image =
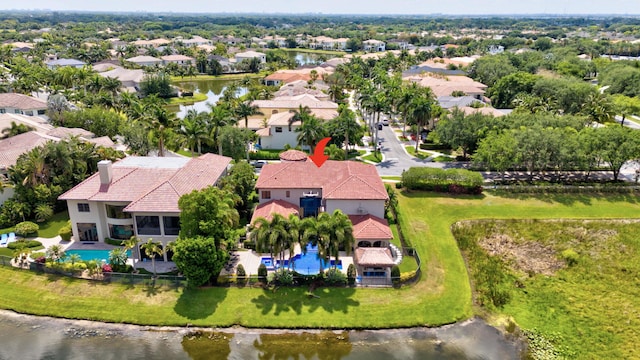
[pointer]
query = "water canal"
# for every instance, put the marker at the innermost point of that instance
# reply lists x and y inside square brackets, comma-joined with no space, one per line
[29,337]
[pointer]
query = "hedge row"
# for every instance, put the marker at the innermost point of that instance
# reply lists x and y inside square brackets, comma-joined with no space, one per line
[455,181]
[264,155]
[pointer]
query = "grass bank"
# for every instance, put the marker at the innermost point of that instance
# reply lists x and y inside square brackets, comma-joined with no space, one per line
[572,282]
[187,100]
[442,296]
[178,79]
[315,51]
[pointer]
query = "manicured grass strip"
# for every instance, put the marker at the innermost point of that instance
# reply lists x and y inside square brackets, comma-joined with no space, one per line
[177,79]
[420,155]
[51,228]
[373,158]
[187,100]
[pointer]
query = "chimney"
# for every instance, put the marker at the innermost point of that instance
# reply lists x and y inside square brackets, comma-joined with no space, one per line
[105,171]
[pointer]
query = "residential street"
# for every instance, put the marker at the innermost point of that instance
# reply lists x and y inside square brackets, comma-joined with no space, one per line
[395,158]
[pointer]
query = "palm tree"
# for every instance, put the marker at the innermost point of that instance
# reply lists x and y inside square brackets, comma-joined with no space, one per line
[15,129]
[131,244]
[219,116]
[162,125]
[341,235]
[316,231]
[271,235]
[55,252]
[310,132]
[301,115]
[194,129]
[244,110]
[421,110]
[151,249]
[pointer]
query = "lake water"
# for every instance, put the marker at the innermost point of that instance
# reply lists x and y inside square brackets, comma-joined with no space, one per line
[212,88]
[28,337]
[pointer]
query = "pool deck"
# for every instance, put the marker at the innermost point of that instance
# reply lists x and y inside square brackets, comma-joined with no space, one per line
[248,258]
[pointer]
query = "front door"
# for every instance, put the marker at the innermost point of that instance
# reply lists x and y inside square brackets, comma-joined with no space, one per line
[310,206]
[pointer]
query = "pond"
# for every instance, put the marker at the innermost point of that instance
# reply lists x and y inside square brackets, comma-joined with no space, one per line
[304,58]
[30,337]
[212,88]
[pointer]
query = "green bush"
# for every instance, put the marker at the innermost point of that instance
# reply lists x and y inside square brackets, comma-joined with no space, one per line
[335,277]
[65,233]
[241,275]
[27,228]
[24,243]
[283,277]
[113,242]
[395,274]
[351,274]
[264,155]
[570,256]
[455,181]
[262,272]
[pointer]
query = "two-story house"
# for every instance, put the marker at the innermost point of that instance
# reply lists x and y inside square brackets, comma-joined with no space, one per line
[139,196]
[301,187]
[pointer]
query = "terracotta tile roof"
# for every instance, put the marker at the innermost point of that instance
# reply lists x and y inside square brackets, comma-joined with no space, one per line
[22,102]
[152,189]
[13,147]
[293,155]
[65,133]
[483,110]
[266,210]
[294,102]
[102,141]
[337,179]
[143,59]
[370,227]
[374,257]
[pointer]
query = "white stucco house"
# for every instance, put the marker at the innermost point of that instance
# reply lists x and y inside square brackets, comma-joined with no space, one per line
[373,45]
[248,55]
[13,103]
[139,196]
[144,60]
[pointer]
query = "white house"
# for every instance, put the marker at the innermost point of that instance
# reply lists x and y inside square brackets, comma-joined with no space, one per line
[180,60]
[248,55]
[52,64]
[138,196]
[12,103]
[144,60]
[373,45]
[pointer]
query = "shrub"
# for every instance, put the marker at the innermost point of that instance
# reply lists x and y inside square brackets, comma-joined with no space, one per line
[113,242]
[41,259]
[335,277]
[351,274]
[395,274]
[570,257]
[264,155]
[283,277]
[262,272]
[457,181]
[65,233]
[406,276]
[24,243]
[106,268]
[241,275]
[27,228]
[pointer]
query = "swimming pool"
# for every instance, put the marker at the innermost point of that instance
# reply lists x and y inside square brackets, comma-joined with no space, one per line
[305,264]
[86,254]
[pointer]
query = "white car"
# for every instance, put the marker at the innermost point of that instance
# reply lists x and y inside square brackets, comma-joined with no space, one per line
[385,122]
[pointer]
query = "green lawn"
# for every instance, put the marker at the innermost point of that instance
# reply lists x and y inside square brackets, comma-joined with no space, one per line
[420,155]
[187,100]
[442,296]
[50,228]
[177,79]
[373,158]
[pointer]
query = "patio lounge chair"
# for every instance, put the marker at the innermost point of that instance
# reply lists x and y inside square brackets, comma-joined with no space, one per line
[11,238]
[3,239]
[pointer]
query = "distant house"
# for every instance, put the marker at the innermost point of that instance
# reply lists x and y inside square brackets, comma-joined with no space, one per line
[248,55]
[373,45]
[327,43]
[280,132]
[496,49]
[130,79]
[196,41]
[223,61]
[180,60]
[11,148]
[145,60]
[302,188]
[286,103]
[447,85]
[12,103]
[139,196]
[155,43]
[65,62]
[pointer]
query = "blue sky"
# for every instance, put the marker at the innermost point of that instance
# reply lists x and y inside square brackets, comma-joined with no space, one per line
[455,7]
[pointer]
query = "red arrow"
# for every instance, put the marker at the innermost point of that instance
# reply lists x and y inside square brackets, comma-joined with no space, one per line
[318,156]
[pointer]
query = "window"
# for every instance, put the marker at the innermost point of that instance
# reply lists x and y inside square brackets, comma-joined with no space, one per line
[42,112]
[120,232]
[83,207]
[171,225]
[115,212]
[29,112]
[288,193]
[266,194]
[278,129]
[17,111]
[87,232]
[148,225]
[2,111]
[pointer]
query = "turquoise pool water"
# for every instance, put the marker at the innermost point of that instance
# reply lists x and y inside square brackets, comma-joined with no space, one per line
[305,264]
[87,255]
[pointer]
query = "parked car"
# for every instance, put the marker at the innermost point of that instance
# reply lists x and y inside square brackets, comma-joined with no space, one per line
[385,122]
[379,126]
[258,163]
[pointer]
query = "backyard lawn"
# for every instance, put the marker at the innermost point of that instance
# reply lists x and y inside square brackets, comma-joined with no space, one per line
[50,228]
[442,296]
